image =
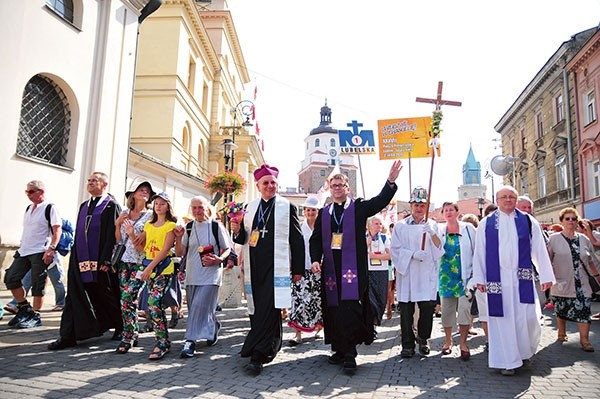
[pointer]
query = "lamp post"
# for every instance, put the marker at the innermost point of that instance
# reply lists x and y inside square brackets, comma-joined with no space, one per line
[480,204]
[489,175]
[228,146]
[244,109]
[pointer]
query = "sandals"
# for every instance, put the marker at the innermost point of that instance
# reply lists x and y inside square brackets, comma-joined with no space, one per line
[587,346]
[124,346]
[562,337]
[446,350]
[159,351]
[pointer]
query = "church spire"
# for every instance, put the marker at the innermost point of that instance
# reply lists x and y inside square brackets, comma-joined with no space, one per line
[471,169]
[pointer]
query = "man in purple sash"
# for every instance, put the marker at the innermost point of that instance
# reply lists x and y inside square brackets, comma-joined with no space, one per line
[93,296]
[507,245]
[338,250]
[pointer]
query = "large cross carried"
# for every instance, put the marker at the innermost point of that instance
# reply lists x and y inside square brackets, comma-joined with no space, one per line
[437,117]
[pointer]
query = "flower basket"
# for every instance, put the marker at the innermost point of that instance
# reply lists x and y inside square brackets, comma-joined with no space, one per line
[226,183]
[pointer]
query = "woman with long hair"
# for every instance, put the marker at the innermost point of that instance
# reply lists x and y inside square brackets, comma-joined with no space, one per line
[128,231]
[157,241]
[572,254]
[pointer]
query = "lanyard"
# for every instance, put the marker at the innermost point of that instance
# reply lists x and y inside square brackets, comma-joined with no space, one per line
[338,222]
[261,215]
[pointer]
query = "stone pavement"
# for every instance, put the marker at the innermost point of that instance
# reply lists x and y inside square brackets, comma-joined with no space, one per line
[93,370]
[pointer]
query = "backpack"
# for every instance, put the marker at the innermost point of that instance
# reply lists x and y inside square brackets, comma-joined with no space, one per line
[215,230]
[67,237]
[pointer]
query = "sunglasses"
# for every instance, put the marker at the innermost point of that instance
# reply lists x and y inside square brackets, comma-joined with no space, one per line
[571,219]
[29,192]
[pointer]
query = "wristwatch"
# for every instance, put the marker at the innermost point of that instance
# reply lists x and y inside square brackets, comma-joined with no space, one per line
[52,247]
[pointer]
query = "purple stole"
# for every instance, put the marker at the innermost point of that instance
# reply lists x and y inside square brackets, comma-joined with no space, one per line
[492,261]
[349,269]
[87,241]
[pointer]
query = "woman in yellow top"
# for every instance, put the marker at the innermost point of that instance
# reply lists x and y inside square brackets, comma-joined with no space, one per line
[157,241]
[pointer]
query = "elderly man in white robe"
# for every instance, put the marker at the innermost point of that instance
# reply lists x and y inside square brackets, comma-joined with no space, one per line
[417,271]
[508,243]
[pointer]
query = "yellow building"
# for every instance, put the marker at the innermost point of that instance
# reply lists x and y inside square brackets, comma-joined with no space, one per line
[189,88]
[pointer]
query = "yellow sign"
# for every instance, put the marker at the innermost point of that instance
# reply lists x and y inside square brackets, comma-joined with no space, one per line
[404,138]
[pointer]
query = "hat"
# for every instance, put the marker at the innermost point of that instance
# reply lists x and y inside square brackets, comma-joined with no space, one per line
[312,201]
[162,195]
[419,194]
[142,184]
[265,170]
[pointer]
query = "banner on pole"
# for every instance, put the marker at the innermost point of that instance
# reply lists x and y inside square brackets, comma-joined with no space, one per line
[356,141]
[404,138]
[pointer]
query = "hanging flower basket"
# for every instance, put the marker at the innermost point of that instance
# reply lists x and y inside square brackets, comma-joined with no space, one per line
[226,183]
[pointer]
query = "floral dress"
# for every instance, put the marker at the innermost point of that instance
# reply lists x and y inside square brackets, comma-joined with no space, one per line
[576,309]
[451,285]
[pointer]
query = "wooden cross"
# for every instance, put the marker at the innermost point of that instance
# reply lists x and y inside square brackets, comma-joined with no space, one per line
[264,231]
[438,100]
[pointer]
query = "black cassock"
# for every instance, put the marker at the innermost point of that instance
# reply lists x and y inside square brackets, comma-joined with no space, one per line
[264,338]
[93,308]
[350,323]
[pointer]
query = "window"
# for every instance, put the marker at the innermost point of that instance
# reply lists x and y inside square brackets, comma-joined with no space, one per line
[191,78]
[45,122]
[589,100]
[332,142]
[558,108]
[317,143]
[541,177]
[523,139]
[561,173]
[539,125]
[64,8]
[524,182]
[594,177]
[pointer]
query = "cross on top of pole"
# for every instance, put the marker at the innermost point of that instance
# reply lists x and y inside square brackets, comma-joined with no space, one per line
[438,100]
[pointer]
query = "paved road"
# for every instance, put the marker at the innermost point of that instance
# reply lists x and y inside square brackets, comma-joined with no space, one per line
[93,370]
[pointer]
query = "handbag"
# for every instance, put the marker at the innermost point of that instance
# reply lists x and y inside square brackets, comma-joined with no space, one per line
[117,254]
[594,285]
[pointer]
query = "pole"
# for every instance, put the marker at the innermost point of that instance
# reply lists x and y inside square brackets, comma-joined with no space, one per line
[409,175]
[362,181]
[433,149]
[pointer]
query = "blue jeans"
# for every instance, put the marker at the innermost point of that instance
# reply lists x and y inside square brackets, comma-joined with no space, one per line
[55,274]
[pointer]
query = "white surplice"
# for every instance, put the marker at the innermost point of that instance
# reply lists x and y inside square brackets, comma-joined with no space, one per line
[515,336]
[416,281]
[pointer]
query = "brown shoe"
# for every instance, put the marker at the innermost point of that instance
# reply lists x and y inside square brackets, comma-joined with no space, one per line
[562,337]
[587,346]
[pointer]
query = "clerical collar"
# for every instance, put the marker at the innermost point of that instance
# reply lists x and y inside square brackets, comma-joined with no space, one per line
[269,201]
[346,204]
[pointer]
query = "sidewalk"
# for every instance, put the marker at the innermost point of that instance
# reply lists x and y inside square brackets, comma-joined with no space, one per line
[93,370]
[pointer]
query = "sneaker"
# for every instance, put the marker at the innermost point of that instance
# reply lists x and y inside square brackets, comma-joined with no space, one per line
[33,321]
[148,327]
[189,347]
[212,342]
[407,353]
[23,313]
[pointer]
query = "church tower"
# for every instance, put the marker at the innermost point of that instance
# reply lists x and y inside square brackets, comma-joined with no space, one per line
[322,154]
[471,187]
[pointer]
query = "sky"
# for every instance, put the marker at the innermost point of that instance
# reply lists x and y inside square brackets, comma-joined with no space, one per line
[370,60]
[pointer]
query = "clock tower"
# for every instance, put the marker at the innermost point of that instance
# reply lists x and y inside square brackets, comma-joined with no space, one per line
[322,155]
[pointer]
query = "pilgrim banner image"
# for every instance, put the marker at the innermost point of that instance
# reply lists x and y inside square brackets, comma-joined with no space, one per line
[405,138]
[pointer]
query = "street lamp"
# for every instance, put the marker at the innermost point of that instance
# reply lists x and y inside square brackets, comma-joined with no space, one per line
[489,175]
[228,146]
[244,109]
[480,204]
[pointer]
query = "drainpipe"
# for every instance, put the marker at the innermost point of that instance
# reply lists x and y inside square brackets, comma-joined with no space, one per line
[569,133]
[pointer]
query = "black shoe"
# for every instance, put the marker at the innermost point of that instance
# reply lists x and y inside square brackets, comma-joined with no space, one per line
[61,343]
[254,368]
[174,320]
[23,313]
[117,336]
[212,342]
[336,358]
[424,349]
[349,365]
[407,353]
[148,327]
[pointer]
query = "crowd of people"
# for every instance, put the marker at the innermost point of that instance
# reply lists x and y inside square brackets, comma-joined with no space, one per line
[340,270]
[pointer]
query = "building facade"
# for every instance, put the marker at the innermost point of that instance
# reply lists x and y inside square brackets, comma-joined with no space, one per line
[584,70]
[540,129]
[65,110]
[190,82]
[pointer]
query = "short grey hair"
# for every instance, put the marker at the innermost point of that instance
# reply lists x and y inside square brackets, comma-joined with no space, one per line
[524,198]
[38,184]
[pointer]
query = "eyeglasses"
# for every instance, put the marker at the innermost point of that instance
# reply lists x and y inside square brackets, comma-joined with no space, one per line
[507,197]
[29,192]
[336,186]
[93,180]
[571,219]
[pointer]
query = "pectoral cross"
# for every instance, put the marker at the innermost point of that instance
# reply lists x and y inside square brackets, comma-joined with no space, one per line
[263,231]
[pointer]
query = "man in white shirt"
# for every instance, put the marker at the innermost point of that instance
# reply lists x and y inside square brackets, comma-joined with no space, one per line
[37,250]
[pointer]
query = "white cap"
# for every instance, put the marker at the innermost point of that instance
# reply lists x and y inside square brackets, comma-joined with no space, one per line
[312,201]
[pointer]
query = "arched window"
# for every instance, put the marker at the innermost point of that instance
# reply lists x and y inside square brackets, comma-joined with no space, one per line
[45,122]
[332,142]
[64,8]
[317,142]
